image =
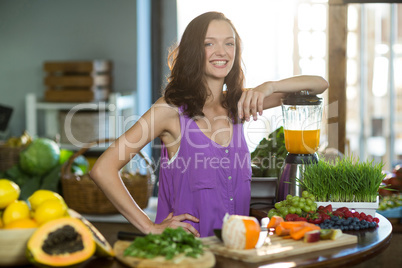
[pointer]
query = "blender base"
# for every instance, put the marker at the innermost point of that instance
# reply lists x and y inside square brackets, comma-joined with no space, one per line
[291,174]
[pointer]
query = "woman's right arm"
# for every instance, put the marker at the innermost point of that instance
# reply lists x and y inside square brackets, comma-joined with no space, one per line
[105,172]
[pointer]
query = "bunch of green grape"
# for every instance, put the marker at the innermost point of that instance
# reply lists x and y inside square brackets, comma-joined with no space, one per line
[294,205]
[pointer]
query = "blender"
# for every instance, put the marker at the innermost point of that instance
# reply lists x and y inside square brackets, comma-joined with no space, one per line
[302,113]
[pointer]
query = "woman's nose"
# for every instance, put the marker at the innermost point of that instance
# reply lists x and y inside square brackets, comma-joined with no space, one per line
[220,50]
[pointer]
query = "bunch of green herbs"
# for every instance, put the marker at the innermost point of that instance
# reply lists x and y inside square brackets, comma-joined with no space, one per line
[343,181]
[168,244]
[269,156]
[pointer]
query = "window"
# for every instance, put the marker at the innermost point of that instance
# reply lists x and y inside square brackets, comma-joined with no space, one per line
[374,84]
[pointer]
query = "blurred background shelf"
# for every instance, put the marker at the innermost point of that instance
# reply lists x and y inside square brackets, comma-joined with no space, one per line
[117,109]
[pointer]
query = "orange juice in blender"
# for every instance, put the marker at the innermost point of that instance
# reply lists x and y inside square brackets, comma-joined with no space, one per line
[302,141]
[302,114]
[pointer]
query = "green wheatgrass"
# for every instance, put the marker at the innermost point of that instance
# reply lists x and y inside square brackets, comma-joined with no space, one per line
[343,181]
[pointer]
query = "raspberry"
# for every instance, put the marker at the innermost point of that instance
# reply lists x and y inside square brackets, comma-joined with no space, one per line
[348,214]
[363,215]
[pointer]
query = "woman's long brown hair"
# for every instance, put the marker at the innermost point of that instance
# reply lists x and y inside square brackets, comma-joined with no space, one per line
[186,85]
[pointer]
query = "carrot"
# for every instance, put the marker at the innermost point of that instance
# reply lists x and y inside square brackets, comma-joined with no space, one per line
[299,233]
[292,224]
[274,221]
[281,231]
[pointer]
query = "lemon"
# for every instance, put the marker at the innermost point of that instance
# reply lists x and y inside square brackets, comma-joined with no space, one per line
[50,210]
[39,196]
[9,192]
[15,211]
[22,224]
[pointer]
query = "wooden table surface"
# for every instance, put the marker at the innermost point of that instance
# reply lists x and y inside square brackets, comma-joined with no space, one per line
[370,243]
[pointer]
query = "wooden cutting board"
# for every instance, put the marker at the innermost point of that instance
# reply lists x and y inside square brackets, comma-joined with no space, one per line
[276,247]
[205,261]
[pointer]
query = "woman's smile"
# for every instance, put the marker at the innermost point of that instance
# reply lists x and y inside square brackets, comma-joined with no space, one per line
[219,63]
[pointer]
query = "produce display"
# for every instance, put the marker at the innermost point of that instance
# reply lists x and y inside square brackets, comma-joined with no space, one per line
[294,205]
[42,206]
[295,212]
[39,165]
[302,230]
[390,202]
[336,222]
[295,229]
[61,237]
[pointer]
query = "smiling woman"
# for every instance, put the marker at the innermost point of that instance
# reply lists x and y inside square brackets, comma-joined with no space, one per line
[197,121]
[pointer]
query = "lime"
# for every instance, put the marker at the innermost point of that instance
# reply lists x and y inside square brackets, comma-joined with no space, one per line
[9,192]
[16,211]
[50,210]
[40,196]
[65,155]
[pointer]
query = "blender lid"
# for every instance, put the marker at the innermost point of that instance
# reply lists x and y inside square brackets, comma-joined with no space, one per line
[301,98]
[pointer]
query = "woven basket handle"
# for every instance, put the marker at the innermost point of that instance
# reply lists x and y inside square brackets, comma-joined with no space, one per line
[66,169]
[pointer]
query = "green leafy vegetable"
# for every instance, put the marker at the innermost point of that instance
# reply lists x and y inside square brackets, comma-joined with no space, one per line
[168,244]
[269,155]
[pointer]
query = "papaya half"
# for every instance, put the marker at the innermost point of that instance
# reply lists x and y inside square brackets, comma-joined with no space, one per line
[103,247]
[61,243]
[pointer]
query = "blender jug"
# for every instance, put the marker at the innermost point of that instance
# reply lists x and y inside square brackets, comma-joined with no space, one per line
[302,114]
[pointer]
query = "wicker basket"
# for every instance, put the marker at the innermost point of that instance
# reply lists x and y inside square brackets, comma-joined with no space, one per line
[84,196]
[9,156]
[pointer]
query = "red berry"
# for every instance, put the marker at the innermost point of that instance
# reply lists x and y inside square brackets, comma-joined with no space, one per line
[363,215]
[356,214]
[301,219]
[338,213]
[376,220]
[348,214]
[342,209]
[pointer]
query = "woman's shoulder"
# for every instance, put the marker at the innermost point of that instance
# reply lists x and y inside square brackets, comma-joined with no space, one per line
[164,109]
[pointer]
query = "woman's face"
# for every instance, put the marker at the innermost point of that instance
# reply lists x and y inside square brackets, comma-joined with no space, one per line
[220,50]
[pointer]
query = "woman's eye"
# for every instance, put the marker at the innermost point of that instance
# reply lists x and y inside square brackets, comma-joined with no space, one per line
[230,44]
[208,44]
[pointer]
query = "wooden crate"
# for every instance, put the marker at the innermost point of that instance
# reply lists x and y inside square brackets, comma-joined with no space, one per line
[77,95]
[77,81]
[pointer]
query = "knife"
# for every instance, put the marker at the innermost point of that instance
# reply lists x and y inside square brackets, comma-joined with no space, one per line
[128,236]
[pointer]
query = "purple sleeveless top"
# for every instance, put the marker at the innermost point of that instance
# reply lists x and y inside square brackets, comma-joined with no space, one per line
[205,179]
